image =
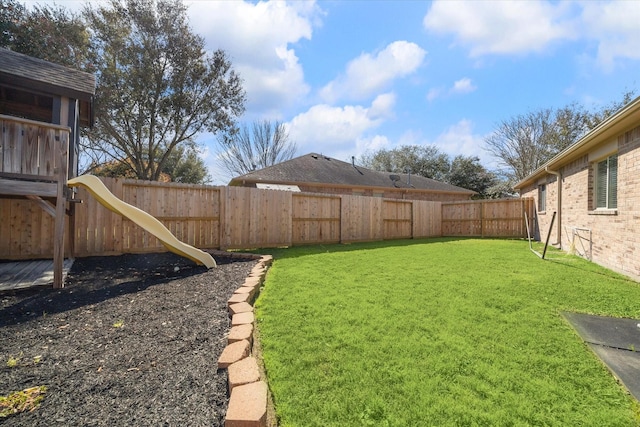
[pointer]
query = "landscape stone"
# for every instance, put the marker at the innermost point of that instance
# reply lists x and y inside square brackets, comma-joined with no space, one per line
[266,259]
[248,406]
[242,307]
[242,319]
[252,281]
[240,332]
[243,372]
[237,298]
[245,290]
[233,353]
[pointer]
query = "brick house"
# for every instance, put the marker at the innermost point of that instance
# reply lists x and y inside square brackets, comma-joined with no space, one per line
[594,188]
[315,173]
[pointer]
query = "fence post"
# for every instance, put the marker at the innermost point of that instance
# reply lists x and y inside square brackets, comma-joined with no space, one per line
[411,222]
[482,219]
[222,198]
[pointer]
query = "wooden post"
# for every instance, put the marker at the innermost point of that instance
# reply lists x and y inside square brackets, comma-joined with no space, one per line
[60,169]
[546,243]
[222,223]
[482,219]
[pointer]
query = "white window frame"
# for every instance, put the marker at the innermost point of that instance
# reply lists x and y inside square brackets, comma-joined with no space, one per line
[606,183]
[542,197]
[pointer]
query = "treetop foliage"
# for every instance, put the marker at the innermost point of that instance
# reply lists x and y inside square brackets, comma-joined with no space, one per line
[430,162]
[50,33]
[157,86]
[423,160]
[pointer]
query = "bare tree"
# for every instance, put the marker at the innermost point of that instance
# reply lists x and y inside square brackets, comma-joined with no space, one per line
[261,145]
[525,142]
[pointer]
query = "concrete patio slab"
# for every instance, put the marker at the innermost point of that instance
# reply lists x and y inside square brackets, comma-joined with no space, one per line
[608,331]
[624,364]
[616,342]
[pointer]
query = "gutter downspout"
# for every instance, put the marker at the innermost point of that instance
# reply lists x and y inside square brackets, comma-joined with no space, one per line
[559,205]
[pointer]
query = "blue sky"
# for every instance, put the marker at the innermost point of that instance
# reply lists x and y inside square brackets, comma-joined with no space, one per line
[348,77]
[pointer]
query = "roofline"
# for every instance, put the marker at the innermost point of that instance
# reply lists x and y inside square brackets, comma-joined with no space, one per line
[48,88]
[328,184]
[609,128]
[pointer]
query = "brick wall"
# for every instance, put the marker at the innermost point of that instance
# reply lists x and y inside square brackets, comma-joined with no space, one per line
[615,237]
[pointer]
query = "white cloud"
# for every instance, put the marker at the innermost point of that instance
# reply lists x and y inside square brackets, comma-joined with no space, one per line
[373,144]
[459,139]
[434,93]
[370,73]
[382,106]
[328,129]
[269,89]
[257,37]
[616,27]
[462,86]
[512,27]
[502,27]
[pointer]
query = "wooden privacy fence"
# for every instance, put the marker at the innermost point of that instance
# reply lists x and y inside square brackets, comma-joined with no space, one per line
[210,217]
[487,218]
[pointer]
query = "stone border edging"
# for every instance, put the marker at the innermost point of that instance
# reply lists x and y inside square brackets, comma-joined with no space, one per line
[248,392]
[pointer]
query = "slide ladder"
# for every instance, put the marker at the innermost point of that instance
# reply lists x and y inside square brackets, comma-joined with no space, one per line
[102,194]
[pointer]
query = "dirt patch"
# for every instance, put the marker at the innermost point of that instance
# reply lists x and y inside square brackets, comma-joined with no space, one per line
[130,340]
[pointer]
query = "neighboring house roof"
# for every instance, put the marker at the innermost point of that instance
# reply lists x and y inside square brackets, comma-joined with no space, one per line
[318,169]
[45,76]
[626,118]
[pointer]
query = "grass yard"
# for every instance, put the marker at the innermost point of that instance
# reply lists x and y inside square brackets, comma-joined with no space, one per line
[439,332]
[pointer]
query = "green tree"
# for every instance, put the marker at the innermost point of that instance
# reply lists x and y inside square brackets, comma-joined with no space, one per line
[12,14]
[467,172]
[258,146]
[157,86]
[184,165]
[47,32]
[501,189]
[426,161]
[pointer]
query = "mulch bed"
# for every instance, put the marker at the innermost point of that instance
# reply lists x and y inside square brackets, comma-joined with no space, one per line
[131,340]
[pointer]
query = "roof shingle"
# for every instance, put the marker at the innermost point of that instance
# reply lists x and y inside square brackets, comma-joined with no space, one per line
[316,168]
[59,79]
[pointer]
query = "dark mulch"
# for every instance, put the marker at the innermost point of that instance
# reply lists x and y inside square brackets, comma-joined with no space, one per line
[131,340]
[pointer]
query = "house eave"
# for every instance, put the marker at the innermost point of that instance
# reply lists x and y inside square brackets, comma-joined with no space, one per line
[618,123]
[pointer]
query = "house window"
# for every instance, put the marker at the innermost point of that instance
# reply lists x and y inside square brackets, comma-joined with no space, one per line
[606,183]
[542,197]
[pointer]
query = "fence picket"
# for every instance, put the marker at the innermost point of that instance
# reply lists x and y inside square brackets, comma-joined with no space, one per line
[242,218]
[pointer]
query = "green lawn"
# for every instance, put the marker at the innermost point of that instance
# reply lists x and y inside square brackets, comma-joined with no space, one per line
[438,332]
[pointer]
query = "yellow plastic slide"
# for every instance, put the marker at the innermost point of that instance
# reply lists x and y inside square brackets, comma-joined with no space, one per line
[143,219]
